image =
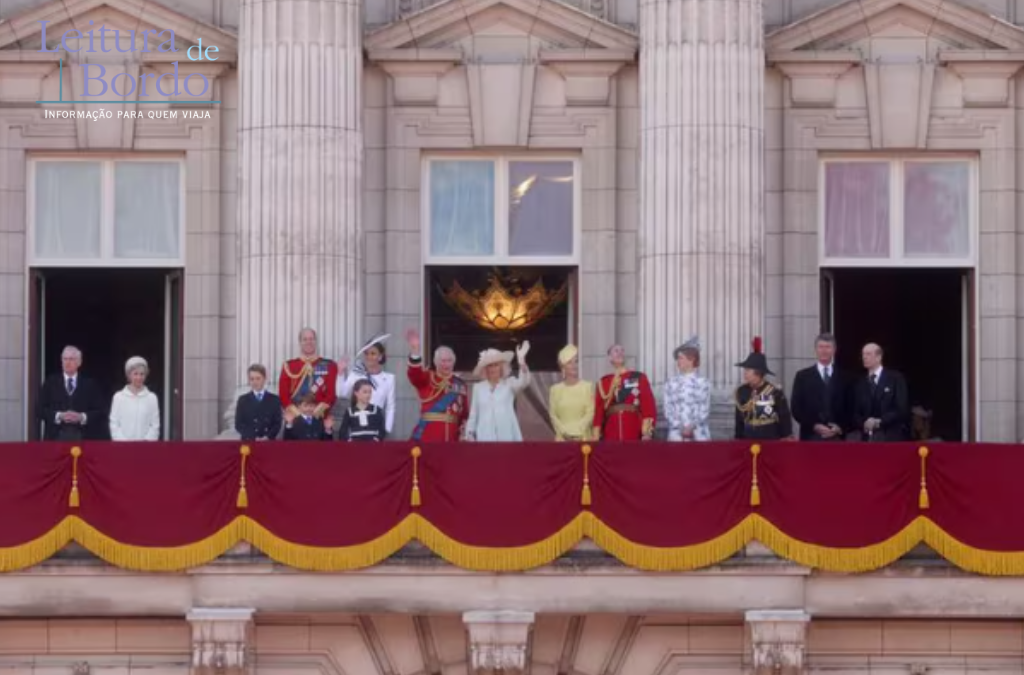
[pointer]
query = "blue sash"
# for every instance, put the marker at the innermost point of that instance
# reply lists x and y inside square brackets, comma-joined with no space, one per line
[439,407]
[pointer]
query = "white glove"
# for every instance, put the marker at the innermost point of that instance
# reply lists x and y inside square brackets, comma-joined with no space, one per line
[522,350]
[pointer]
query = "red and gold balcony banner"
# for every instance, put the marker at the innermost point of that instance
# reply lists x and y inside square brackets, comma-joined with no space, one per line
[654,506]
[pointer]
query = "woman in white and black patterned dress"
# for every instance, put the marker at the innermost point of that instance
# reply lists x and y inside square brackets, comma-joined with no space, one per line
[688,396]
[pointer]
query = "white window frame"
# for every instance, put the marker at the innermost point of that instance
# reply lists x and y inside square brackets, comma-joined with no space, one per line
[107,258]
[897,255]
[501,203]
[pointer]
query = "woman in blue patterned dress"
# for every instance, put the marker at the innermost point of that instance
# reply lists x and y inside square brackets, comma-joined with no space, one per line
[688,396]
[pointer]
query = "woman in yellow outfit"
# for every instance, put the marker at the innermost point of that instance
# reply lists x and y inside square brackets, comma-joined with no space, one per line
[572,400]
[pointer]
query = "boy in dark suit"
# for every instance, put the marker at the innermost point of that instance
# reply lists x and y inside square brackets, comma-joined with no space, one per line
[306,426]
[258,412]
[71,407]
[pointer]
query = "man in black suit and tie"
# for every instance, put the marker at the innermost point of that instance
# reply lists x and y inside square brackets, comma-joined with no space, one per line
[70,406]
[881,402]
[818,400]
[258,412]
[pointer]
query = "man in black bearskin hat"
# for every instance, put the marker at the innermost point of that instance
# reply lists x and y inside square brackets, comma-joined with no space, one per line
[762,412]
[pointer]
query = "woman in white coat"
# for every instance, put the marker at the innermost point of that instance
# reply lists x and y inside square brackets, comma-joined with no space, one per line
[492,412]
[135,411]
[369,365]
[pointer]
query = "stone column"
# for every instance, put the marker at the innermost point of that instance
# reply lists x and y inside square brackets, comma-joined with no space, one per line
[300,152]
[779,641]
[499,642]
[222,640]
[702,198]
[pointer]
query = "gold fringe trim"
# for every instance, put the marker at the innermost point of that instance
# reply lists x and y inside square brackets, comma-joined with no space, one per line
[968,558]
[864,559]
[323,559]
[33,552]
[510,559]
[152,558]
[655,559]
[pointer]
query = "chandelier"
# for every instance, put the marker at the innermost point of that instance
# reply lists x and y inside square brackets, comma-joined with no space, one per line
[504,306]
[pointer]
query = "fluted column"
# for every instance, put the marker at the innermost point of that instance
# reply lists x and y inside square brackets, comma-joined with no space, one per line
[301,153]
[702,234]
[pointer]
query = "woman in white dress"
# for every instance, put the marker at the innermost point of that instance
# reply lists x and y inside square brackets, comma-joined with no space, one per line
[369,365]
[135,411]
[492,413]
[688,396]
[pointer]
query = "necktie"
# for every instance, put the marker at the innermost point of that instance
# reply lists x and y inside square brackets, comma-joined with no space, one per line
[71,386]
[874,380]
[259,397]
[826,374]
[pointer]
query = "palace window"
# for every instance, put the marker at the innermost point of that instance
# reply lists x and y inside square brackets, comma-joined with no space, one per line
[507,210]
[919,211]
[109,212]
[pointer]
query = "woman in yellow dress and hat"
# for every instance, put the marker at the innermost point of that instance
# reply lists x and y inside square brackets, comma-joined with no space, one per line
[571,401]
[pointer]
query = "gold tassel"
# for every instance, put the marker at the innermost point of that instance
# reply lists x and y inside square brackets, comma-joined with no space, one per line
[585,498]
[73,499]
[755,491]
[243,494]
[416,500]
[922,499]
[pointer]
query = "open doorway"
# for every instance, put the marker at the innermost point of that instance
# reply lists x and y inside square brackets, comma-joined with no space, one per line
[923,319]
[111,315]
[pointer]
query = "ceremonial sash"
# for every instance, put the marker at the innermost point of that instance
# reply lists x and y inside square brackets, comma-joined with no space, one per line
[439,406]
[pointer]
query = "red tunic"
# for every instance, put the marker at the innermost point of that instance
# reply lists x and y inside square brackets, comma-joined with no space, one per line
[444,404]
[624,407]
[303,376]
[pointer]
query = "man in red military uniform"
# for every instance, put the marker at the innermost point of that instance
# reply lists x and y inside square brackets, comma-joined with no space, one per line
[624,406]
[444,397]
[308,374]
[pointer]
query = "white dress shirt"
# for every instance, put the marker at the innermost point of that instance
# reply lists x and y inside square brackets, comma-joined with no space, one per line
[135,416]
[383,392]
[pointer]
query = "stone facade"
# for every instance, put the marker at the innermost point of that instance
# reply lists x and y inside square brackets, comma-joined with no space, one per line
[274,190]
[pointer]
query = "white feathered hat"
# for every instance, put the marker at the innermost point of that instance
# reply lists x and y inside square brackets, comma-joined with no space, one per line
[491,356]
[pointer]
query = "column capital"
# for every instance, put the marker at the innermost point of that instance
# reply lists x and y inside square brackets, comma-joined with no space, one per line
[499,641]
[221,640]
[779,640]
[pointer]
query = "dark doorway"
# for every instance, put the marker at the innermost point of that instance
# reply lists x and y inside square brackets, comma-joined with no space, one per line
[110,315]
[918,318]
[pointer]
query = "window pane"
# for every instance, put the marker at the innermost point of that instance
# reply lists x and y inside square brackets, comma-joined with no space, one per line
[147,205]
[68,209]
[462,208]
[540,208]
[936,212]
[857,209]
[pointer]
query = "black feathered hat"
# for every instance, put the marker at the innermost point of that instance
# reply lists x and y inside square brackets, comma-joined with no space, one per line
[757,360]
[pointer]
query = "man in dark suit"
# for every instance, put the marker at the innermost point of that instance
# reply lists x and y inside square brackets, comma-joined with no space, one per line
[258,412]
[881,401]
[71,406]
[818,400]
[305,425]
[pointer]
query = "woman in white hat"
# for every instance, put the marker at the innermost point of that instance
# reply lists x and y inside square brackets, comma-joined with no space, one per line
[135,411]
[492,412]
[571,401]
[370,366]
[688,396]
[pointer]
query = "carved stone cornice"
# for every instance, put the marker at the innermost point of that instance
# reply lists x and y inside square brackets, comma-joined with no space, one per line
[986,75]
[779,641]
[814,76]
[221,640]
[415,73]
[588,73]
[499,642]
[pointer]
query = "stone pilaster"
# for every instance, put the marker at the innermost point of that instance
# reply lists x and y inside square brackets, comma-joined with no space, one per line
[221,641]
[301,153]
[702,197]
[499,642]
[778,639]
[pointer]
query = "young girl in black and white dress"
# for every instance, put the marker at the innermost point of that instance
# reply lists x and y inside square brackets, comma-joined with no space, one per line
[362,420]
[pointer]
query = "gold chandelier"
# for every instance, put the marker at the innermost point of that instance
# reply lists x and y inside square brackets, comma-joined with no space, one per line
[504,307]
